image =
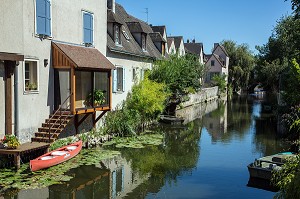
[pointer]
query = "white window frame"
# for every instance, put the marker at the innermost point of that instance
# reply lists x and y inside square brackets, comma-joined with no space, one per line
[119,43]
[37,78]
[50,37]
[91,13]
[144,38]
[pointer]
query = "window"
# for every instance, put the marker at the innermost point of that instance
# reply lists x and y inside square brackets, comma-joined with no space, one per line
[109,4]
[126,35]
[212,63]
[119,79]
[31,75]
[43,17]
[117,35]
[88,28]
[134,74]
[144,36]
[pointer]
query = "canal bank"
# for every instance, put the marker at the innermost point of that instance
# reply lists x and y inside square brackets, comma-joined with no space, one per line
[206,157]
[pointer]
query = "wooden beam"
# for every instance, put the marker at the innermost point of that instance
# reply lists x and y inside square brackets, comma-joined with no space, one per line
[76,123]
[73,90]
[9,68]
[100,116]
[11,57]
[82,119]
[110,90]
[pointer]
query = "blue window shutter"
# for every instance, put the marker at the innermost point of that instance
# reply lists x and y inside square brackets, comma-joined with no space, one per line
[123,80]
[41,16]
[48,18]
[87,28]
[115,80]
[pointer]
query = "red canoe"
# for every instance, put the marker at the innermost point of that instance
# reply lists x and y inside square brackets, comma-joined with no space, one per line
[56,157]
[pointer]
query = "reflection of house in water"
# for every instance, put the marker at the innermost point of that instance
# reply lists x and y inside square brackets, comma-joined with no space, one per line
[216,121]
[88,182]
[123,179]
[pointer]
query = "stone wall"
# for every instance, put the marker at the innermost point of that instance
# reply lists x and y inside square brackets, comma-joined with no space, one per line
[206,94]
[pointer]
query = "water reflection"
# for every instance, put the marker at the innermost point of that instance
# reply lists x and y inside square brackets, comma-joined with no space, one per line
[204,158]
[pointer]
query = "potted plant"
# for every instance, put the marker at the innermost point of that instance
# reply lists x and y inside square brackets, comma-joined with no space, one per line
[99,98]
[10,142]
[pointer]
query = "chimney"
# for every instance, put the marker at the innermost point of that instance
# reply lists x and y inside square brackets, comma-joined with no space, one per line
[194,40]
[187,41]
[111,5]
[215,45]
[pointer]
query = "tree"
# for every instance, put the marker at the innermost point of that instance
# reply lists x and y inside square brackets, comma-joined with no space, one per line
[241,64]
[180,74]
[274,58]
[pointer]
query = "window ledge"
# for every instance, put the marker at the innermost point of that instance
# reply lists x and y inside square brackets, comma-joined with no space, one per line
[31,92]
[40,36]
[119,92]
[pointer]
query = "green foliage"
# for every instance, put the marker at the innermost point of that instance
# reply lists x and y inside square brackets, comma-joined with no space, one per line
[283,45]
[99,98]
[148,99]
[288,179]
[241,64]
[220,81]
[122,121]
[292,122]
[25,179]
[291,84]
[144,104]
[136,142]
[179,73]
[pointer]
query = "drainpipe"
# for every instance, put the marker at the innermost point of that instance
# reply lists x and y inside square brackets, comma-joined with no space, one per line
[16,99]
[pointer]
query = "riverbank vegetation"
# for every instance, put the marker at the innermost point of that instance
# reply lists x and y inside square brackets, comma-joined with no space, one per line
[278,69]
[241,65]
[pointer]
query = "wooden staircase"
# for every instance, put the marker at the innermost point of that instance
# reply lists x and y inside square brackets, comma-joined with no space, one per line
[52,127]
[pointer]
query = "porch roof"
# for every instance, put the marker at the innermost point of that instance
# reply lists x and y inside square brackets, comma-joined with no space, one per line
[11,56]
[79,57]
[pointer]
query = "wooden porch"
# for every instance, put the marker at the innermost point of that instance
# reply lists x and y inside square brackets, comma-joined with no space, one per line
[78,73]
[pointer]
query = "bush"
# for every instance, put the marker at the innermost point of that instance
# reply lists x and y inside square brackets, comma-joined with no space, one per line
[179,74]
[220,81]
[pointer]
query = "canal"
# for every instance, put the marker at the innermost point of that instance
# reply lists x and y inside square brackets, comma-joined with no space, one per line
[206,157]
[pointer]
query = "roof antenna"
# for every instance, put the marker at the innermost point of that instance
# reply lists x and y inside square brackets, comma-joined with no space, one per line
[147,13]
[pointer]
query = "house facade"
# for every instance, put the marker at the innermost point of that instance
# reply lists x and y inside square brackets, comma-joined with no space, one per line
[51,56]
[132,48]
[195,49]
[171,46]
[217,63]
[179,45]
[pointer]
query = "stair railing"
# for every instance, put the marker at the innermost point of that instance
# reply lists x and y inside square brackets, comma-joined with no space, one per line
[60,117]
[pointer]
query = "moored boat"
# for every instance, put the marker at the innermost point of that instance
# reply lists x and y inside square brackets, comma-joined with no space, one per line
[263,167]
[56,156]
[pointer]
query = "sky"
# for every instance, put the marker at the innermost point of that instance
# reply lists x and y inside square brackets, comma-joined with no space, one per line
[212,21]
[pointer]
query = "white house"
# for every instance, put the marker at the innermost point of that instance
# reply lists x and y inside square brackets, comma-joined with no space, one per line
[195,49]
[130,48]
[51,51]
[171,46]
[217,63]
[179,45]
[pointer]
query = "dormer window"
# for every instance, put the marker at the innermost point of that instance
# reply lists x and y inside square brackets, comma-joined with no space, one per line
[109,4]
[117,34]
[144,37]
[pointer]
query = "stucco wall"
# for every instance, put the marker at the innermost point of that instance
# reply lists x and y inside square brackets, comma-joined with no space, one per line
[67,26]
[11,23]
[129,63]
[180,50]
[2,101]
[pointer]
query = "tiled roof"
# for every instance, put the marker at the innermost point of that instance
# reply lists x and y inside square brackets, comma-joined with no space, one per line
[194,48]
[160,29]
[132,25]
[156,36]
[113,18]
[177,40]
[84,57]
[222,47]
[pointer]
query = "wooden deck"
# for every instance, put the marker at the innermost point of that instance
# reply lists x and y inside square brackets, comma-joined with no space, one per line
[24,148]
